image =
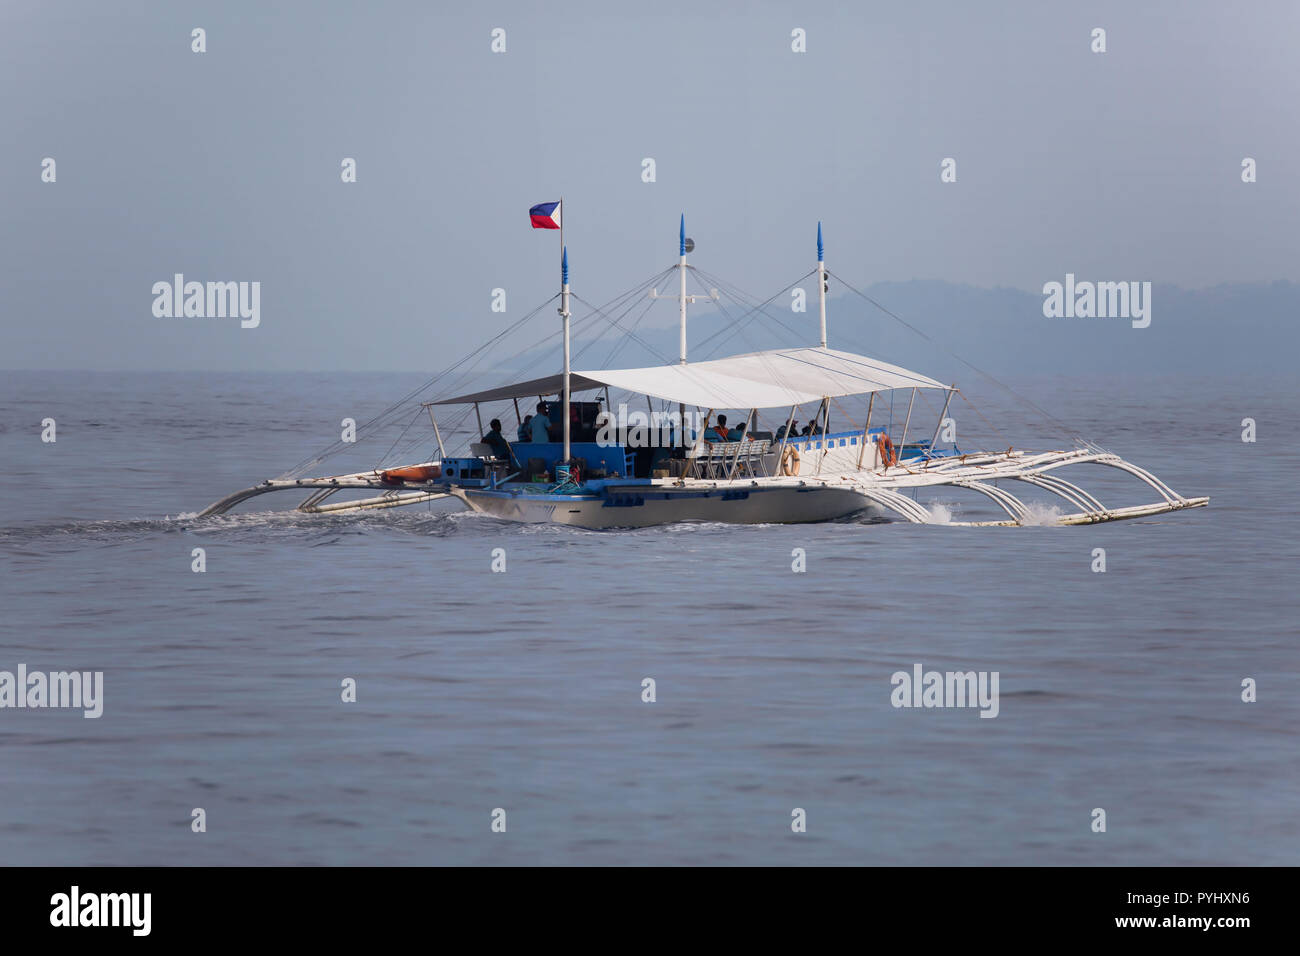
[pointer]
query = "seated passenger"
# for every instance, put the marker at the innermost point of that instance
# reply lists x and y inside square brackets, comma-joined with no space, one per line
[540,430]
[719,431]
[738,433]
[500,447]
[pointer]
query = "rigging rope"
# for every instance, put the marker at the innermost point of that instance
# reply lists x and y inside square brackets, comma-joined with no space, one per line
[625,303]
[339,445]
[1065,429]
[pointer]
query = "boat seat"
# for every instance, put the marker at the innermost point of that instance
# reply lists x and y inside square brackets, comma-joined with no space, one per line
[481,449]
[751,459]
[732,459]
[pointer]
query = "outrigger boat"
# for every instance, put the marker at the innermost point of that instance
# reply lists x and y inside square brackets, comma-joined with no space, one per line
[598,471]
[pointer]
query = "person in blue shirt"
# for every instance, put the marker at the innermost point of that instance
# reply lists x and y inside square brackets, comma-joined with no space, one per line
[524,431]
[541,420]
[500,447]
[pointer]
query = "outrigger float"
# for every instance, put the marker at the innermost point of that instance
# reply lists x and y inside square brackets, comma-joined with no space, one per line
[596,471]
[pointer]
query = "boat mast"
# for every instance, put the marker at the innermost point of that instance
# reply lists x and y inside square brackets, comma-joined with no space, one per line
[564,316]
[684,246]
[681,304]
[821,281]
[821,308]
[681,269]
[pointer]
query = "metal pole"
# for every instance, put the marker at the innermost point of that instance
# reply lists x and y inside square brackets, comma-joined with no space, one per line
[564,315]
[821,283]
[681,308]
[442,453]
[785,436]
[749,423]
[681,300]
[939,426]
[698,438]
[826,427]
[903,442]
[866,429]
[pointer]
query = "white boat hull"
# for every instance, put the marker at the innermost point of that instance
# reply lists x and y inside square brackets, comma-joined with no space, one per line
[645,506]
[823,495]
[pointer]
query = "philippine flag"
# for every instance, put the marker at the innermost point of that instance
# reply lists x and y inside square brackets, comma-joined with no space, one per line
[545,215]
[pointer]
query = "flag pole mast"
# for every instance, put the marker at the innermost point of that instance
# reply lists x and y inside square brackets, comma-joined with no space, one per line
[681,268]
[821,281]
[564,316]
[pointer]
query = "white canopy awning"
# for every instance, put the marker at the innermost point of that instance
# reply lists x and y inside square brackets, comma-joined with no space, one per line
[770,379]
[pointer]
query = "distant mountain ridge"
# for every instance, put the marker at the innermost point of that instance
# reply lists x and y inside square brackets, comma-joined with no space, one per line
[1235,328]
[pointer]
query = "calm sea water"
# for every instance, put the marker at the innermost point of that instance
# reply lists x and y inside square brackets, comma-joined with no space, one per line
[522,690]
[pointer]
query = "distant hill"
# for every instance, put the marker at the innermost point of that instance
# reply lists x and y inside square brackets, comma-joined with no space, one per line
[1238,328]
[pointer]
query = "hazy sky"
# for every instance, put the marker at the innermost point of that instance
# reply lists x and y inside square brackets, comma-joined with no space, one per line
[225,165]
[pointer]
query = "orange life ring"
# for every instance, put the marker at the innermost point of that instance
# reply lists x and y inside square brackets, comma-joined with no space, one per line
[790,461]
[888,456]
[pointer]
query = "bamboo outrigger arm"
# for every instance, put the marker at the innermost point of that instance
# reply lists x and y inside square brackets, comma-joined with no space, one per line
[976,472]
[394,494]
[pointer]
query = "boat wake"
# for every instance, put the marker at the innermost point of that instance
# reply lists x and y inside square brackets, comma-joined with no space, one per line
[1041,514]
[941,512]
[312,529]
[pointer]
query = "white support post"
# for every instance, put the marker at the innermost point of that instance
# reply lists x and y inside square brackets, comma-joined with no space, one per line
[442,452]
[866,429]
[821,284]
[938,427]
[681,294]
[564,316]
[735,459]
[826,427]
[902,442]
[698,438]
[785,437]
[681,309]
